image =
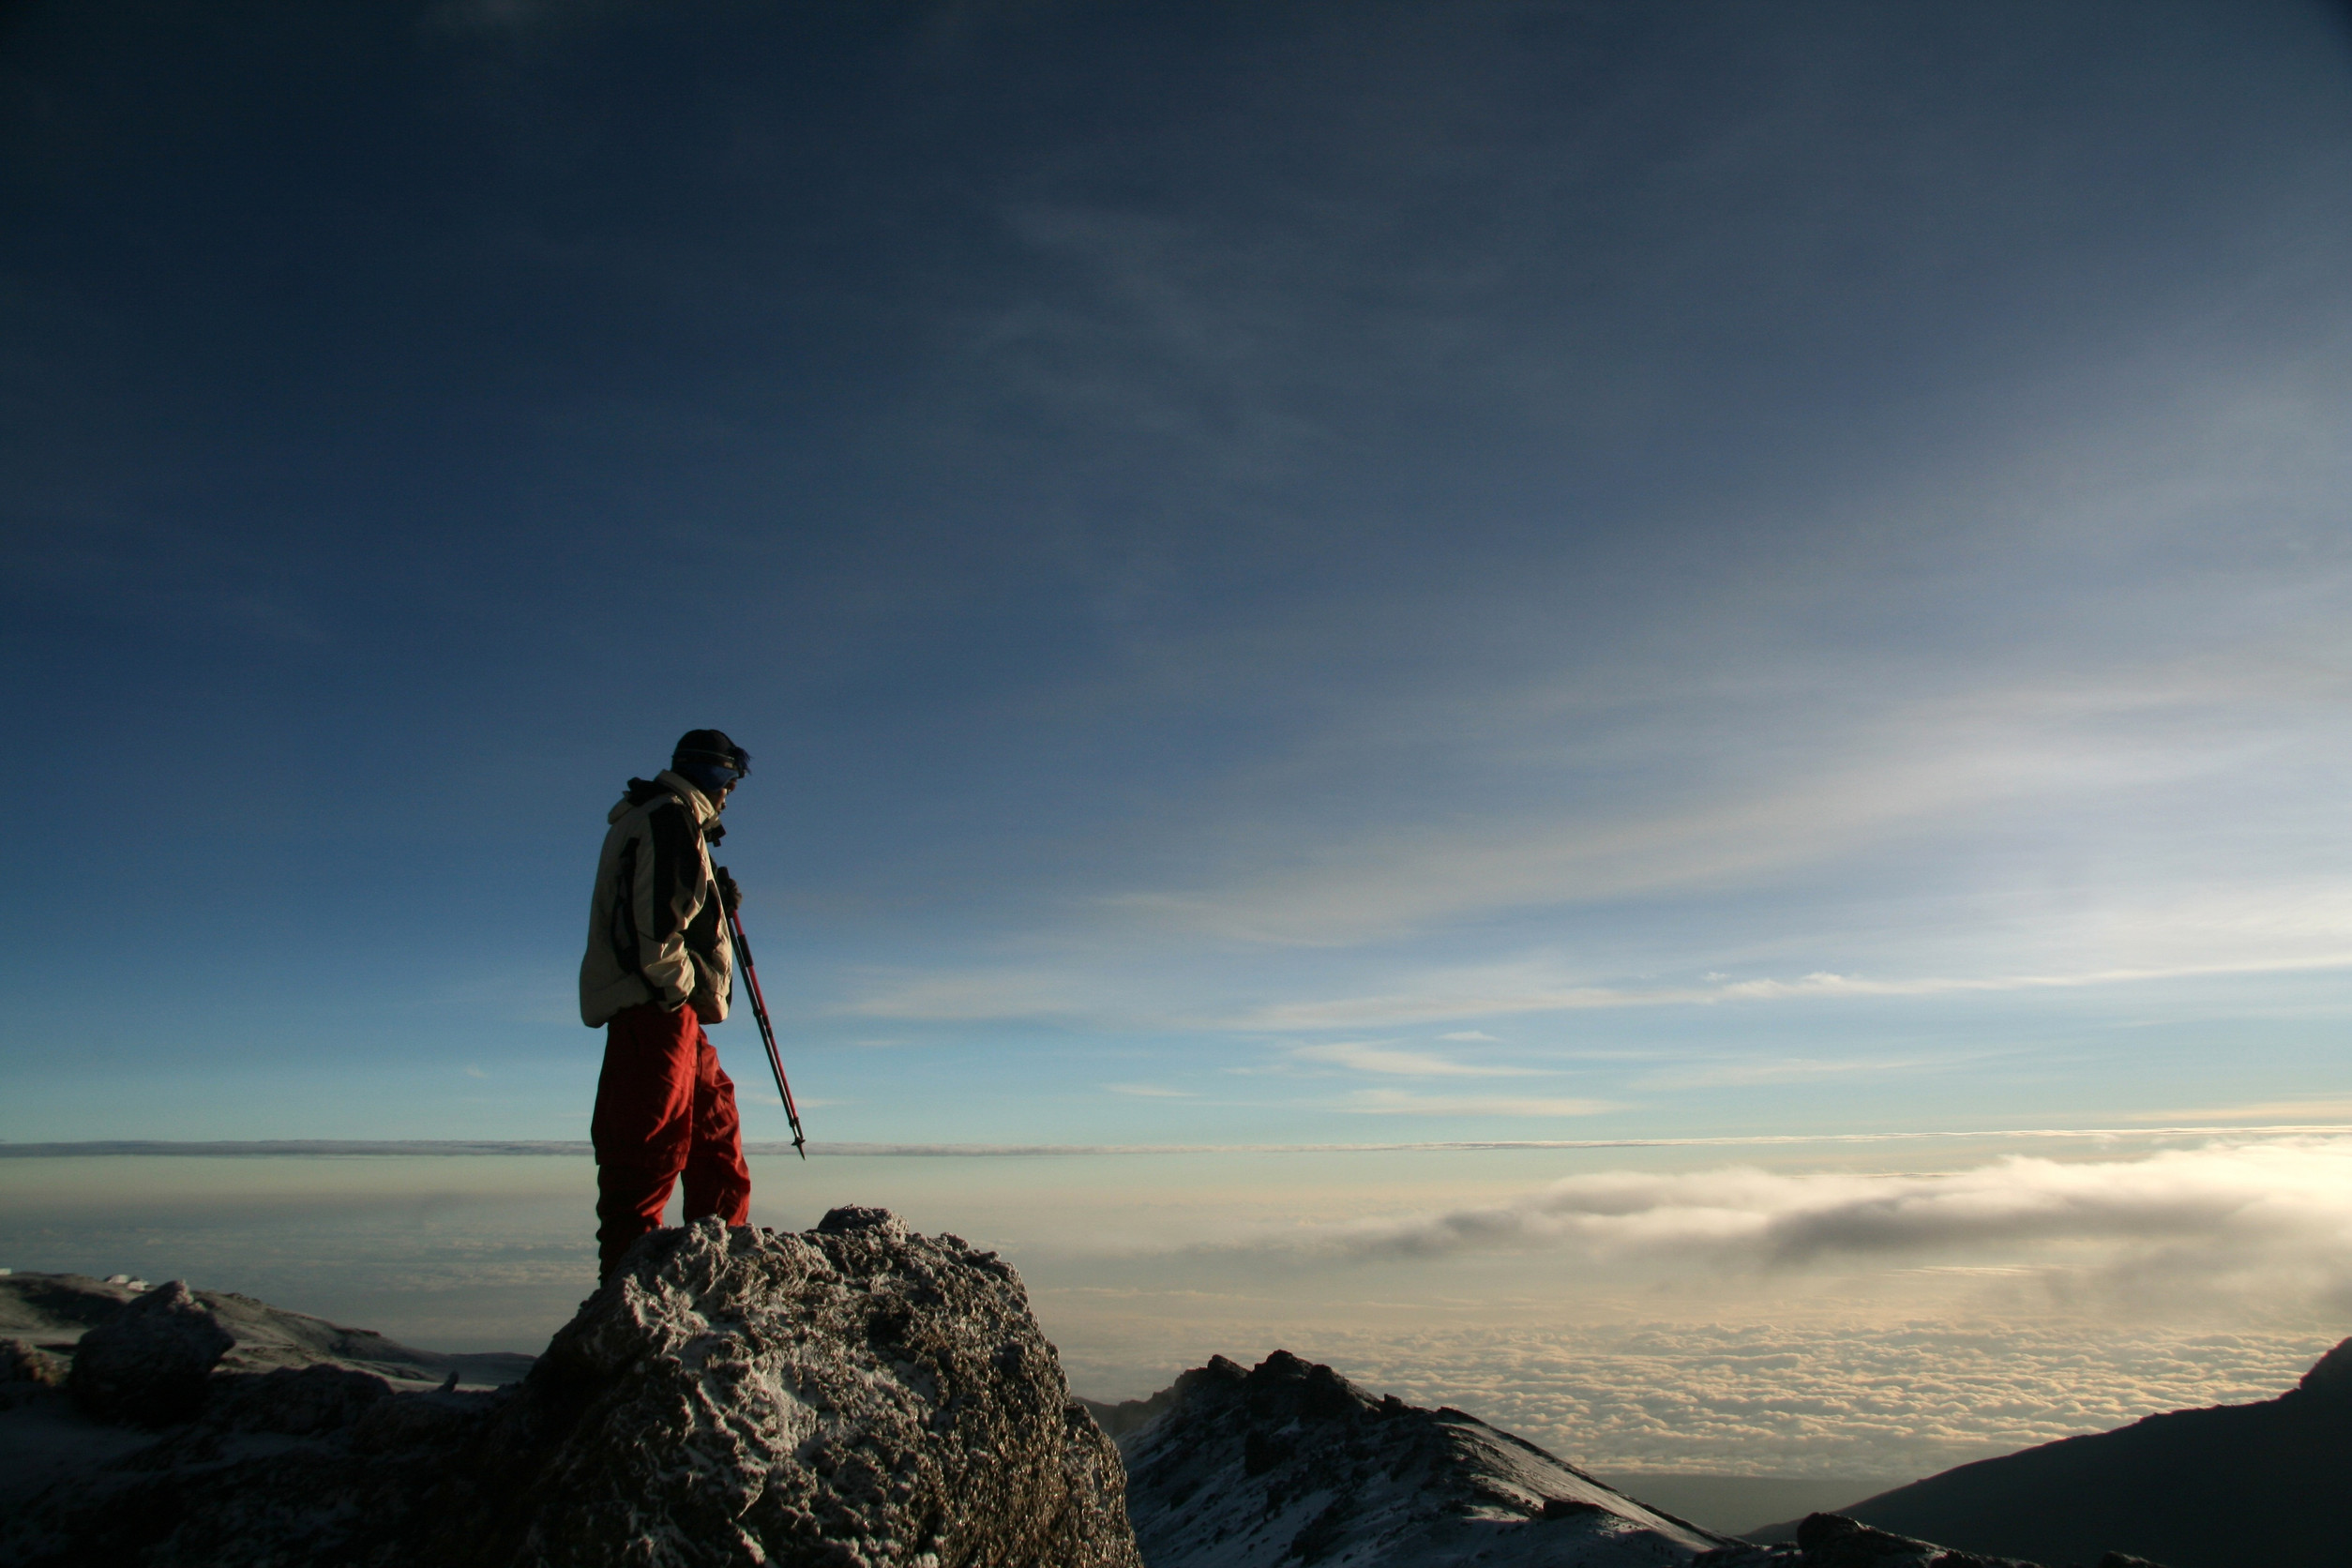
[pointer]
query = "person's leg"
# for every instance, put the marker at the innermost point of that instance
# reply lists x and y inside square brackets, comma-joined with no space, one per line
[629,1202]
[643,1126]
[717,1181]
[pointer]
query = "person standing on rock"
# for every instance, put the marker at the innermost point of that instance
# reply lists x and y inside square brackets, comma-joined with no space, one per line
[658,966]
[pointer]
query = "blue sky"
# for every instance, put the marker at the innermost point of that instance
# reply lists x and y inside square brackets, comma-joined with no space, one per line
[1291,574]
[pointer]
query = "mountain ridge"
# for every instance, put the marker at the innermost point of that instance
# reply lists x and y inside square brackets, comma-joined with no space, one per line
[2149,1487]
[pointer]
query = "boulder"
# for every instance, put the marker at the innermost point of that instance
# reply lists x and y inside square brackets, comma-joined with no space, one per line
[855,1393]
[151,1364]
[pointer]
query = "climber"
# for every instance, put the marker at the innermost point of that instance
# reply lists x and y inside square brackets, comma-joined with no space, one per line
[658,966]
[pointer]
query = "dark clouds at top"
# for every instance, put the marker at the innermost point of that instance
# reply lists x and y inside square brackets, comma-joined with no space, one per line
[1055,436]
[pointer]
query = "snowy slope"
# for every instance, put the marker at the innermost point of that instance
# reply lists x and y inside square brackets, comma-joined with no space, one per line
[54,1311]
[1289,1461]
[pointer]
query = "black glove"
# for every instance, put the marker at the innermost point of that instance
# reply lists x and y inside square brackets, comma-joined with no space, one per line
[729,895]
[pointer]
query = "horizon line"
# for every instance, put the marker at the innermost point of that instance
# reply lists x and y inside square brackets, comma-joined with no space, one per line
[260,1148]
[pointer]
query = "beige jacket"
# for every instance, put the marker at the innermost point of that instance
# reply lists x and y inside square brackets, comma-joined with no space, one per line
[655,929]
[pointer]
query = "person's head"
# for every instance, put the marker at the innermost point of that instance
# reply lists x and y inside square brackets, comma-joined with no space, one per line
[707,759]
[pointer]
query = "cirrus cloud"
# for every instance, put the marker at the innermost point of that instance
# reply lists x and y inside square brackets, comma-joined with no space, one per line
[1398,1102]
[1372,1056]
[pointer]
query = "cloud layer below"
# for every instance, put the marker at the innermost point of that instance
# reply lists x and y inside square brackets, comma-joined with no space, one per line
[1887,1401]
[2272,1218]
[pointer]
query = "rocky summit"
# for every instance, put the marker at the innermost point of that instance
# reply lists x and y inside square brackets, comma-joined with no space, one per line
[854,1394]
[1290,1462]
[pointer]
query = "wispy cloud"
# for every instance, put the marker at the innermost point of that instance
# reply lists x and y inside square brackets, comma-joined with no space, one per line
[1365,1056]
[2029,753]
[1398,1102]
[1734,1074]
[1149,1090]
[1467,1035]
[1478,993]
[2327,1109]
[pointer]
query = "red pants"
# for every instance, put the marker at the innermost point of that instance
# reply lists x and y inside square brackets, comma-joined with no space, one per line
[664,1110]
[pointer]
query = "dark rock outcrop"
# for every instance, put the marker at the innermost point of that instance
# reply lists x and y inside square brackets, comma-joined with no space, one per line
[1834,1541]
[152,1362]
[2228,1486]
[1290,1462]
[26,1365]
[853,1394]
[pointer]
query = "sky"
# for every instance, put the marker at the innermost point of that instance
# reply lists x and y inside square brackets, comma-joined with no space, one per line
[1740,611]
[1291,573]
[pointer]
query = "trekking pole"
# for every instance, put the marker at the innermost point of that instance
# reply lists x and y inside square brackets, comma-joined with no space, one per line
[767,1030]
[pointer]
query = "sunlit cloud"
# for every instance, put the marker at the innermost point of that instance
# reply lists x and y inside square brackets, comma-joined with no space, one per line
[2273,1215]
[1374,1057]
[1149,1090]
[2304,1110]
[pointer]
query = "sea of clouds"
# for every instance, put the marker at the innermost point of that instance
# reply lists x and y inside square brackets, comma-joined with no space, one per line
[1763,1318]
[1744,1320]
[1889,1401]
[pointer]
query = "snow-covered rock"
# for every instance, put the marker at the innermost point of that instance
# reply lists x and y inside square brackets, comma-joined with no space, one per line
[852,1395]
[1289,1461]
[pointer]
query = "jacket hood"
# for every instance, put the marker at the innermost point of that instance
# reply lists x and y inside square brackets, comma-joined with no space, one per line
[639,790]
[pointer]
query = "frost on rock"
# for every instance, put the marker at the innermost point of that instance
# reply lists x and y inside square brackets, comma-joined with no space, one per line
[1290,1462]
[851,1396]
